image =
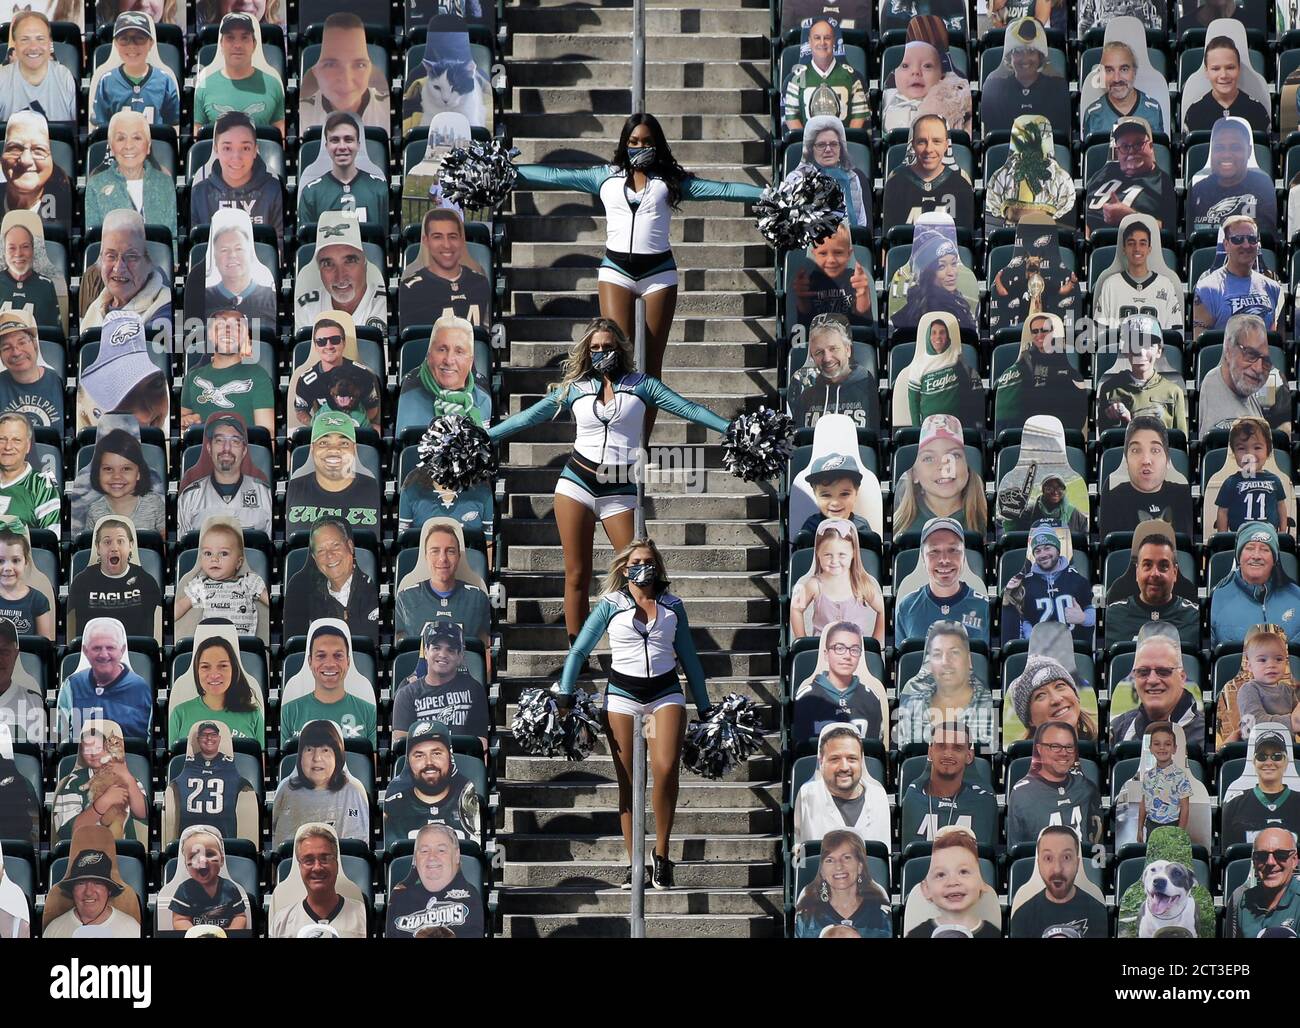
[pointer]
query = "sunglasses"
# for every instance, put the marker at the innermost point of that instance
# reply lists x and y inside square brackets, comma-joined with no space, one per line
[1279,857]
[1270,758]
[329,340]
[1243,240]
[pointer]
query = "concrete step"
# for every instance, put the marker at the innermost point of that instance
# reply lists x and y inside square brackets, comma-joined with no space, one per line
[583,278]
[688,255]
[657,902]
[533,532]
[706,636]
[616,926]
[712,874]
[659,75]
[605,822]
[688,584]
[708,159]
[679,355]
[551,202]
[765,691]
[730,5]
[727,662]
[530,46]
[726,407]
[549,328]
[690,382]
[685,228]
[539,480]
[546,848]
[665,459]
[679,128]
[696,794]
[658,21]
[584,304]
[699,507]
[737,557]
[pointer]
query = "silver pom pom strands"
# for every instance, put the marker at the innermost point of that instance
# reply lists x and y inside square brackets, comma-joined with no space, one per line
[479,175]
[800,212]
[757,446]
[457,452]
[716,747]
[544,729]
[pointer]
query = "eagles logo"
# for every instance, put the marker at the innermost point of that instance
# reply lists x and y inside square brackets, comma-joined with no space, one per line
[1229,205]
[832,463]
[122,335]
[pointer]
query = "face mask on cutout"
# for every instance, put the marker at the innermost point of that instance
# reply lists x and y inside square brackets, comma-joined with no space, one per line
[641,156]
[604,361]
[641,574]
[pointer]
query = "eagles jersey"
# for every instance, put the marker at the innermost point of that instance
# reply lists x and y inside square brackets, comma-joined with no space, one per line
[907,197]
[35,294]
[1100,117]
[1251,499]
[1035,803]
[1248,814]
[917,611]
[206,792]
[1082,917]
[1210,204]
[405,813]
[973,807]
[1122,296]
[1150,193]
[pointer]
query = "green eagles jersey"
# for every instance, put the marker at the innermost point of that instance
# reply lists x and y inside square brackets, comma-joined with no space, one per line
[365,194]
[352,714]
[33,499]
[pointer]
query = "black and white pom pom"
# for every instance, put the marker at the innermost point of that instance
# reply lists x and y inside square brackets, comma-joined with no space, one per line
[757,446]
[479,174]
[457,452]
[542,729]
[800,212]
[715,747]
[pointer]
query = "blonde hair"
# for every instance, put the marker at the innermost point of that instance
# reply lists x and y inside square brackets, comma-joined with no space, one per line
[865,590]
[614,579]
[974,505]
[1263,634]
[577,365]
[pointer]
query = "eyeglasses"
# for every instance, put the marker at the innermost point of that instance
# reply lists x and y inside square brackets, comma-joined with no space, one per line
[329,340]
[1243,240]
[1154,672]
[845,650]
[1041,331]
[1059,747]
[16,150]
[130,258]
[1279,857]
[1254,356]
[1131,148]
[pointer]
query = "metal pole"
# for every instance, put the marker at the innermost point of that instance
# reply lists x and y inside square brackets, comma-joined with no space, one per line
[638,724]
[638,827]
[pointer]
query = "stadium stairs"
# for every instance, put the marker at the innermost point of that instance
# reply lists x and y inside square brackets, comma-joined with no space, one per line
[707,81]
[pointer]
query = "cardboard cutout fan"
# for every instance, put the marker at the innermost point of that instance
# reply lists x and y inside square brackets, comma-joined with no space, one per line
[315,899]
[1063,905]
[1169,786]
[837,434]
[201,891]
[112,906]
[1043,487]
[209,779]
[953,900]
[216,687]
[841,689]
[938,380]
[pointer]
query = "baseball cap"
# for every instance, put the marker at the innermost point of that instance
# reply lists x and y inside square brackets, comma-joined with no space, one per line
[330,422]
[208,726]
[122,362]
[940,428]
[443,630]
[1129,125]
[233,22]
[215,421]
[16,321]
[423,731]
[942,525]
[1274,739]
[833,466]
[1053,477]
[133,21]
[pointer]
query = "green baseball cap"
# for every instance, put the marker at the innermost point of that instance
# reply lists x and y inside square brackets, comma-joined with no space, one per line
[329,422]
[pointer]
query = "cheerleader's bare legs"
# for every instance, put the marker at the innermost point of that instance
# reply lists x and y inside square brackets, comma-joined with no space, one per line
[619,305]
[577,524]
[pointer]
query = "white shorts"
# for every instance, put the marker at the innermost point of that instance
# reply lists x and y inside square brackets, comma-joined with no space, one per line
[638,286]
[615,704]
[603,506]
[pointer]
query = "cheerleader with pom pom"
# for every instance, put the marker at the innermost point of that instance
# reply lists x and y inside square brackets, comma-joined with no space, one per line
[648,635]
[639,189]
[609,402]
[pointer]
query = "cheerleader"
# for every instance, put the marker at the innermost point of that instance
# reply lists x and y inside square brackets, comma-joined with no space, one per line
[609,401]
[649,635]
[639,189]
